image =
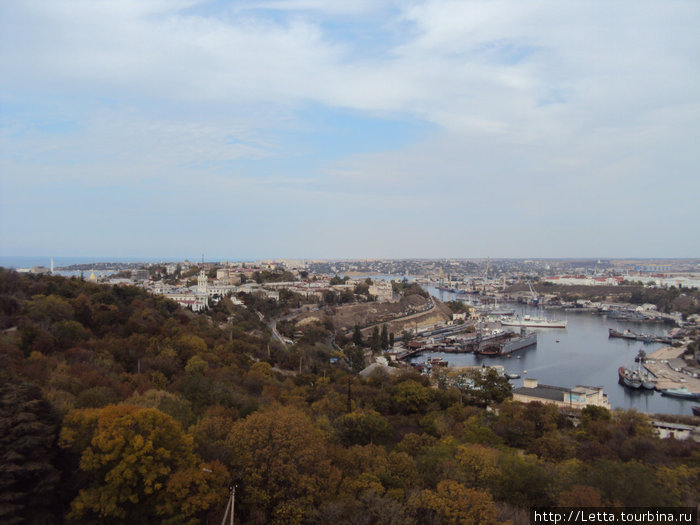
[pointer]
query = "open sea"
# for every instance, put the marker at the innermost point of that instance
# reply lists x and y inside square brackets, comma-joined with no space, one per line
[16,262]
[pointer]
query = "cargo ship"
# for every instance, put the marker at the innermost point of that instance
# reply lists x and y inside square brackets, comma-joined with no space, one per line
[533,322]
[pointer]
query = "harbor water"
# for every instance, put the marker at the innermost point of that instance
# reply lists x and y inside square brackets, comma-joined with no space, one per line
[580,354]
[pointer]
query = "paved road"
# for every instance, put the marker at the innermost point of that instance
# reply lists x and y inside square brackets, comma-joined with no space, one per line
[272,323]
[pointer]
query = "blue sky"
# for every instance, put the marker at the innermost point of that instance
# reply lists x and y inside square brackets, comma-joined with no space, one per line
[315,129]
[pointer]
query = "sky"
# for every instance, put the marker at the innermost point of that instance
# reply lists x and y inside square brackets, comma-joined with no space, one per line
[349,129]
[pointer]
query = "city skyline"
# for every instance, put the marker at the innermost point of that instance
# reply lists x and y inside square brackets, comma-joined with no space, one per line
[308,129]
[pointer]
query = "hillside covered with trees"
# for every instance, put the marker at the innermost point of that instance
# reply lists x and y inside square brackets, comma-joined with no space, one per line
[117,406]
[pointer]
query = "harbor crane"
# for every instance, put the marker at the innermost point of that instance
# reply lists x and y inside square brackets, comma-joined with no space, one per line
[535,299]
[486,274]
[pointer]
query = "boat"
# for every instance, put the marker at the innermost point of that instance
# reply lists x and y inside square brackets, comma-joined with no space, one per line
[648,381]
[496,311]
[513,376]
[681,392]
[646,338]
[534,322]
[436,361]
[525,340]
[624,315]
[630,378]
[627,334]
[496,348]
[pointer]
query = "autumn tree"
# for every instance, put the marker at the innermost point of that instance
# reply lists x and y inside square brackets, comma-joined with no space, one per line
[454,504]
[140,465]
[478,465]
[411,396]
[281,460]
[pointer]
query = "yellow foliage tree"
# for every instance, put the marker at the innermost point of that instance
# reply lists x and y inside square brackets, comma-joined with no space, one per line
[477,464]
[454,504]
[140,465]
[281,459]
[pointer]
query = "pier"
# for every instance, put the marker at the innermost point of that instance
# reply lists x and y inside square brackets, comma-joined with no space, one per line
[661,364]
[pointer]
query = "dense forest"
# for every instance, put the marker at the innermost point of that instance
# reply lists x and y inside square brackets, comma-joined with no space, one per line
[119,406]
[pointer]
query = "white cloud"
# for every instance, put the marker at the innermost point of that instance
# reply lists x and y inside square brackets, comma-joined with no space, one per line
[534,102]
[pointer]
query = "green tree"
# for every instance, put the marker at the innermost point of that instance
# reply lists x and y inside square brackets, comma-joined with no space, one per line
[338,280]
[357,336]
[384,338]
[410,396]
[356,358]
[361,428]
[375,341]
[28,431]
[488,387]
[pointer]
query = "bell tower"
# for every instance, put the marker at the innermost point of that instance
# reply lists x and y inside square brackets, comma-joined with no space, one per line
[202,280]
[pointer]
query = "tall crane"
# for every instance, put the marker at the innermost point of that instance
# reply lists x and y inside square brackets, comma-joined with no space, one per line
[535,298]
[486,275]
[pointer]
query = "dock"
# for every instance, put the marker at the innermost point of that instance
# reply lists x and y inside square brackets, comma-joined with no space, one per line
[657,363]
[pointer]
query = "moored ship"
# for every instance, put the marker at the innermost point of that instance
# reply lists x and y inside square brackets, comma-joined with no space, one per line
[681,392]
[630,378]
[646,338]
[524,340]
[533,322]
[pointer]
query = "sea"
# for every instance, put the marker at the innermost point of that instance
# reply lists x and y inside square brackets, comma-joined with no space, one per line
[20,261]
[25,262]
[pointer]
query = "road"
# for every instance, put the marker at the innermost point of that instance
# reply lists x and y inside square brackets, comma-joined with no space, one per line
[272,323]
[431,309]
